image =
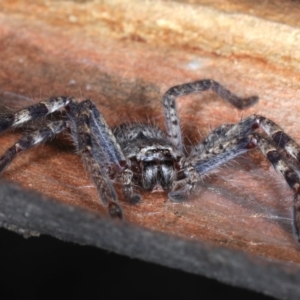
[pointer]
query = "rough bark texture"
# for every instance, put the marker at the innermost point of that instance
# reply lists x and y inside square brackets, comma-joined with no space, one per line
[241,217]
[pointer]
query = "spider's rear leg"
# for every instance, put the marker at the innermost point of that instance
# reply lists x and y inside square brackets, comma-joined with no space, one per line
[234,145]
[275,132]
[33,112]
[268,148]
[31,139]
[170,110]
[280,137]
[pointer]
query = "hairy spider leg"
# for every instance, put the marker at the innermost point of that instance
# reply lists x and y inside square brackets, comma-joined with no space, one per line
[228,141]
[99,151]
[113,154]
[285,141]
[33,112]
[31,139]
[270,151]
[214,155]
[170,111]
[275,132]
[107,150]
[279,137]
[26,115]
[211,140]
[216,142]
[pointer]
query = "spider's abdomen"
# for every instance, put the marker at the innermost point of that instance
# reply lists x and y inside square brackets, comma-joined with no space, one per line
[153,158]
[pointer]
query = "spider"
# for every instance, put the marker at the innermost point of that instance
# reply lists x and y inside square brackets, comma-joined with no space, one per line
[142,155]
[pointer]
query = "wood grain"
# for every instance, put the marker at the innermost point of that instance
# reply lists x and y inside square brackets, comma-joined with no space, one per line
[244,205]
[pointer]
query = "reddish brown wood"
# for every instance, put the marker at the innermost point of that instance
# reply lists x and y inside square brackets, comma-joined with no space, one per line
[244,205]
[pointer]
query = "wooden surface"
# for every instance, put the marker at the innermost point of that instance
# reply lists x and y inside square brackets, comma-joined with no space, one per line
[51,50]
[268,31]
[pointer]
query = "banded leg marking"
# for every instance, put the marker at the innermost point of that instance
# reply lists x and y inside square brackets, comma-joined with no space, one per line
[30,140]
[268,148]
[274,131]
[33,112]
[281,138]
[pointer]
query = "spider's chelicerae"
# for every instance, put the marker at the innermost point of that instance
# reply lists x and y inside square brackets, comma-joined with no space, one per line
[143,156]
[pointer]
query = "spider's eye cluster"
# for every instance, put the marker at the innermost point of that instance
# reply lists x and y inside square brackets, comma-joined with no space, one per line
[158,154]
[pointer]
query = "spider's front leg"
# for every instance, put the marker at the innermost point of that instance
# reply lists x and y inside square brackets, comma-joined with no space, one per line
[170,110]
[101,155]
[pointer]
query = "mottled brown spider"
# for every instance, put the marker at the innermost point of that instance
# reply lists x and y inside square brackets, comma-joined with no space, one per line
[143,156]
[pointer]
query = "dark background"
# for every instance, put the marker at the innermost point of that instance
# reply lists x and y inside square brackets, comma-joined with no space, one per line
[45,267]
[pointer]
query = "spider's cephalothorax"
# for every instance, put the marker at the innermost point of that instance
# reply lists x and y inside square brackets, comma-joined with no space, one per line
[143,157]
[152,158]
